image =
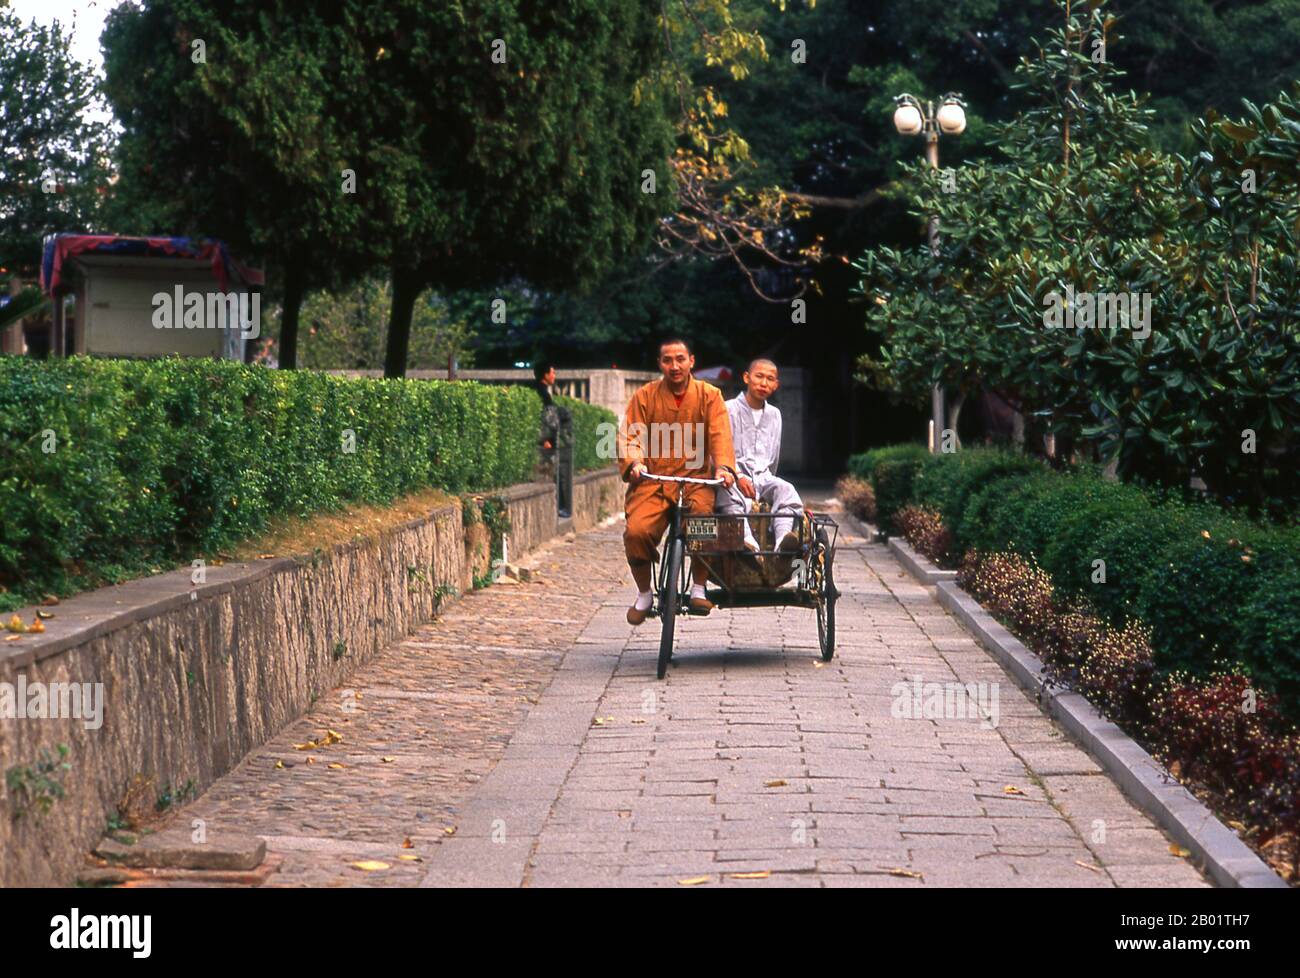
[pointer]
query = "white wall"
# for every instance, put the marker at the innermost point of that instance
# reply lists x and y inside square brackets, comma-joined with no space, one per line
[118,318]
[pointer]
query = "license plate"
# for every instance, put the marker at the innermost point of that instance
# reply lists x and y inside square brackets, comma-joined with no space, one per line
[701,528]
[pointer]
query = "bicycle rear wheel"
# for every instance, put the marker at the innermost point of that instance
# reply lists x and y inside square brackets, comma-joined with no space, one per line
[825,596]
[669,597]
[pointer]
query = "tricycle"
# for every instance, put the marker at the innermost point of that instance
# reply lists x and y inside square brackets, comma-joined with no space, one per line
[744,578]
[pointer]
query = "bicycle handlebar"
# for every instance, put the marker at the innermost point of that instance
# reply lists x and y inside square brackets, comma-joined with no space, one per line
[681,478]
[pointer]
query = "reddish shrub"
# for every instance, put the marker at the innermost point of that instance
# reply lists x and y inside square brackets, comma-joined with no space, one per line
[1222,734]
[1219,740]
[1118,674]
[1015,590]
[857,496]
[924,530]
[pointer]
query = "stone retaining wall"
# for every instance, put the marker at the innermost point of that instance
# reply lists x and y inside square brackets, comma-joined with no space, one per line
[596,496]
[196,676]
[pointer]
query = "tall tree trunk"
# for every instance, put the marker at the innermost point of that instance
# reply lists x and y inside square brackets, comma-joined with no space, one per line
[295,285]
[954,414]
[406,289]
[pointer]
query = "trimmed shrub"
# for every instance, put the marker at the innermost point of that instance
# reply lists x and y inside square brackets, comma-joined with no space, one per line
[1192,595]
[925,531]
[993,517]
[1217,742]
[892,480]
[891,471]
[1270,628]
[1220,733]
[110,468]
[857,496]
[587,432]
[864,465]
[1212,588]
[946,482]
[1070,536]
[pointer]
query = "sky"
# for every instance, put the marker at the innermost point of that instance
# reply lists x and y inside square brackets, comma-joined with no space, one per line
[84,18]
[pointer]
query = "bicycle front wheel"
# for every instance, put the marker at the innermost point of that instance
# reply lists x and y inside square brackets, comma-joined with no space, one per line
[669,598]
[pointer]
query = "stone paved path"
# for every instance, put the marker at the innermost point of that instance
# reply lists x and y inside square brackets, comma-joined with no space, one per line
[529,720]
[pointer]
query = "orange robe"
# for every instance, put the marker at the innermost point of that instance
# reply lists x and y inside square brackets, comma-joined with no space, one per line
[691,439]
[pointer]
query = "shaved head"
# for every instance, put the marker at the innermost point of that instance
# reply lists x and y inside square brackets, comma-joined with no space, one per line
[761,382]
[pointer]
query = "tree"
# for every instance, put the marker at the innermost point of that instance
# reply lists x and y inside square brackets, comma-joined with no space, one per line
[510,141]
[216,143]
[53,159]
[346,330]
[1085,207]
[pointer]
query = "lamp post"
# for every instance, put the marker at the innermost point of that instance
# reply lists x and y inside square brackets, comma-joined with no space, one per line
[914,118]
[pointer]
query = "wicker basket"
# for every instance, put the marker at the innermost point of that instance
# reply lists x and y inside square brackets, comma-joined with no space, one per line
[733,567]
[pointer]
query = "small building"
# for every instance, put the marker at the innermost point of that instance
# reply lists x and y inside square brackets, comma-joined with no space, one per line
[121,296]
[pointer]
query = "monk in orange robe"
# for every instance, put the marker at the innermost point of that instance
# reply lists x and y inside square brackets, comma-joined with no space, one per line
[674,426]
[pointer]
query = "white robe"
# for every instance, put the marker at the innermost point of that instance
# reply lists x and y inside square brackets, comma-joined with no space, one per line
[758,451]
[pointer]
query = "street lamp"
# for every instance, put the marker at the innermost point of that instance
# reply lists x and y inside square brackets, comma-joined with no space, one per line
[912,118]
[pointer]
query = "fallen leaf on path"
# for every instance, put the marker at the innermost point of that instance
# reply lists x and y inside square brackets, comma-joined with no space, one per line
[1080,862]
[370,865]
[44,614]
[694,881]
[311,760]
[601,721]
[639,720]
[407,843]
[910,874]
[760,875]
[329,737]
[625,813]
[1179,851]
[336,766]
[1011,789]
[12,638]
[449,830]
[412,859]
[778,783]
[265,556]
[279,765]
[388,760]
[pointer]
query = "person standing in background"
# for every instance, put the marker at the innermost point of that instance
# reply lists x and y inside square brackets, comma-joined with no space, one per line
[556,437]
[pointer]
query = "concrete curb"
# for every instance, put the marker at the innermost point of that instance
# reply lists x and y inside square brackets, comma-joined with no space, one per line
[1229,861]
[916,565]
[859,526]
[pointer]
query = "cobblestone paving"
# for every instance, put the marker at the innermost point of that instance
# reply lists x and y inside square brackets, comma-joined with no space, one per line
[529,719]
[421,726]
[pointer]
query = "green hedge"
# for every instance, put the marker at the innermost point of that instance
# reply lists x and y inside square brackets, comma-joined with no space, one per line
[891,471]
[587,433]
[1211,586]
[863,465]
[110,467]
[945,482]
